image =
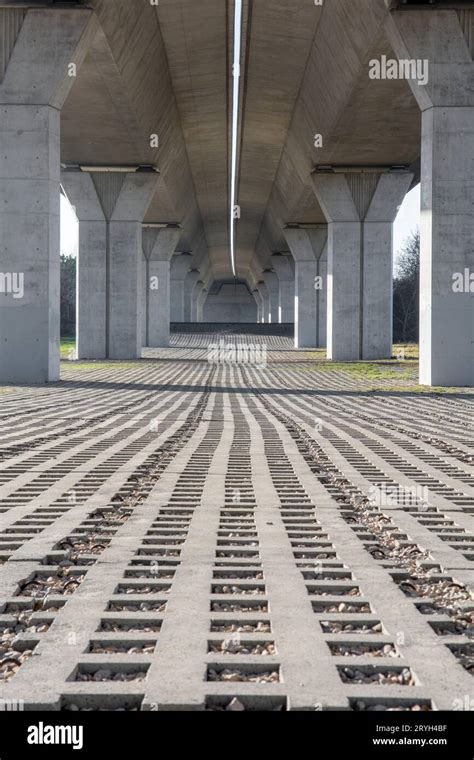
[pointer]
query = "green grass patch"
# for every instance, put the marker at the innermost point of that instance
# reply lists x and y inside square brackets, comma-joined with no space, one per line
[68,347]
[100,365]
[406,351]
[364,370]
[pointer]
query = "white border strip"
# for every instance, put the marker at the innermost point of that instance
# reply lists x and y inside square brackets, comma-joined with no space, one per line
[235,125]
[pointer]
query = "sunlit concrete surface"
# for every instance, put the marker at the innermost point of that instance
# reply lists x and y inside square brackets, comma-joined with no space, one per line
[279,533]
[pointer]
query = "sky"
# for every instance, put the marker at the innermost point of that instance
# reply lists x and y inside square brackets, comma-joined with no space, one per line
[407,221]
[69,229]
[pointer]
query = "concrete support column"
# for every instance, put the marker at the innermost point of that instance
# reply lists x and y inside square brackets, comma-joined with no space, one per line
[39,47]
[200,304]
[444,40]
[180,266]
[91,282]
[259,301]
[110,322]
[322,297]
[190,284]
[360,208]
[306,250]
[195,299]
[273,286]
[265,296]
[286,304]
[159,245]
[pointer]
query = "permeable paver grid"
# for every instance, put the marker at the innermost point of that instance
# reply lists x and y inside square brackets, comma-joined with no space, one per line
[181,534]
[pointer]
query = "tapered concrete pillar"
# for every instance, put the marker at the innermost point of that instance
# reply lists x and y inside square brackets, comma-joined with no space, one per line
[200,304]
[360,208]
[144,299]
[91,282]
[190,283]
[444,40]
[180,266]
[273,286]
[41,50]
[113,331]
[265,296]
[159,245]
[286,277]
[259,301]
[195,299]
[306,247]
[322,297]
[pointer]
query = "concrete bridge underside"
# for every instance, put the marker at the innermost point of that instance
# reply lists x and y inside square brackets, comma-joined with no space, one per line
[128,105]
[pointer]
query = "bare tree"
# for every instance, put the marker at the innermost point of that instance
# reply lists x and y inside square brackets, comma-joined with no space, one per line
[406,292]
[68,296]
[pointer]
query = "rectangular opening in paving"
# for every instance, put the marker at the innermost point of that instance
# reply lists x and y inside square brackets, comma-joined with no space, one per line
[122,646]
[349,649]
[238,703]
[241,626]
[107,672]
[376,704]
[242,607]
[234,645]
[238,589]
[106,702]
[377,675]
[130,625]
[352,626]
[244,672]
[137,606]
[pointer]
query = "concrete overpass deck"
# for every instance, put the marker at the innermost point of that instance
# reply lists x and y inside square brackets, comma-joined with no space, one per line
[271,201]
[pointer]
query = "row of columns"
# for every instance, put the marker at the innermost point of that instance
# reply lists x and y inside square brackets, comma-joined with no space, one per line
[360,207]
[354,254]
[342,280]
[131,282]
